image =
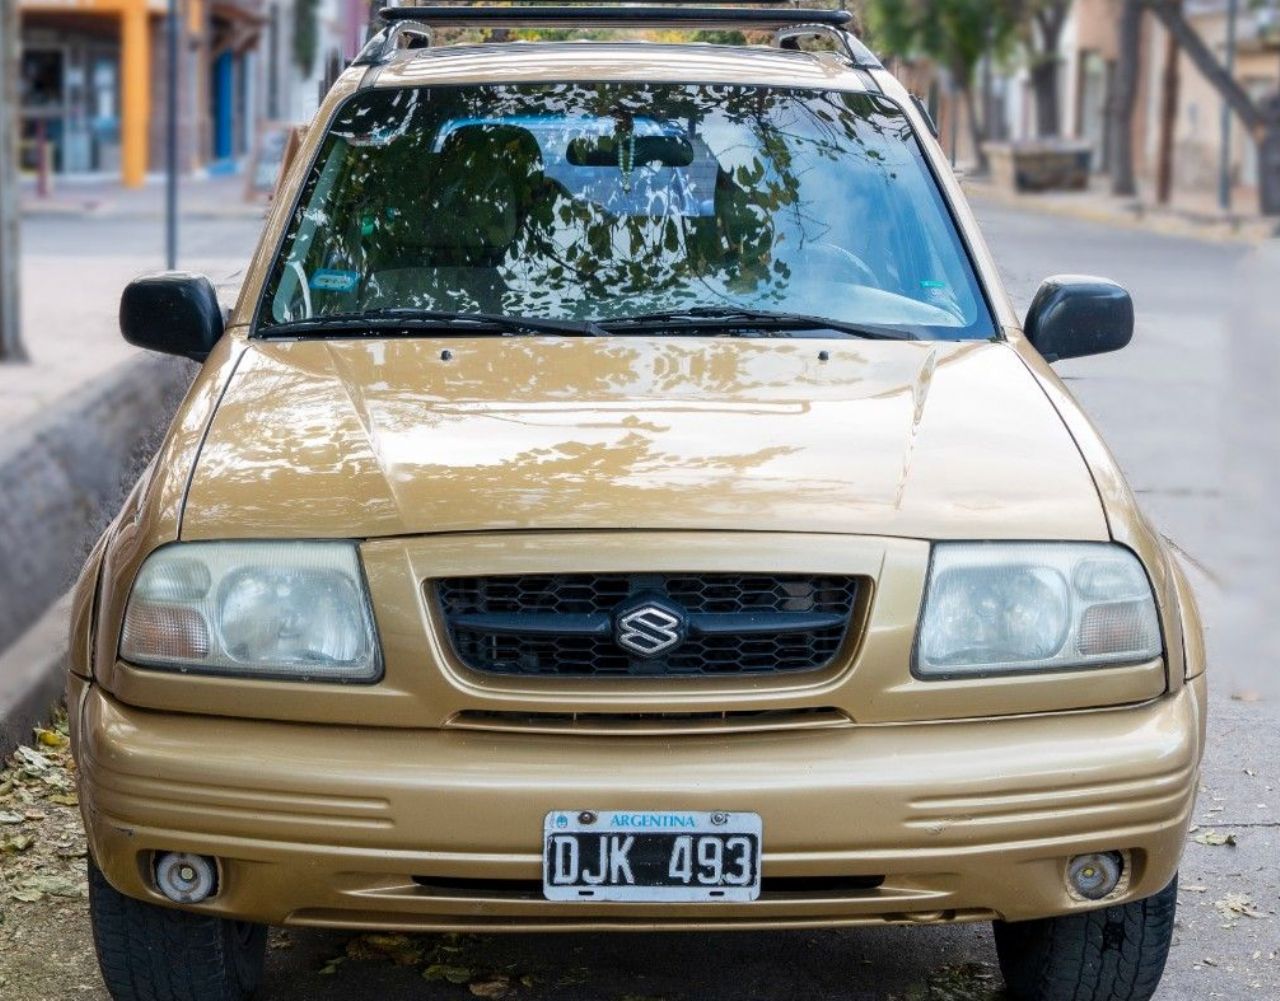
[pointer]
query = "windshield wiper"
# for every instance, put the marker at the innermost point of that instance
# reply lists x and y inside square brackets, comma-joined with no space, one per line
[386,320]
[730,318]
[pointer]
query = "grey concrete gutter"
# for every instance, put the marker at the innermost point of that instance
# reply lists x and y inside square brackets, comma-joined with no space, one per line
[32,675]
[63,475]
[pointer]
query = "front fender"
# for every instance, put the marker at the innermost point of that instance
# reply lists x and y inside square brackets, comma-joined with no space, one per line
[84,603]
[1193,651]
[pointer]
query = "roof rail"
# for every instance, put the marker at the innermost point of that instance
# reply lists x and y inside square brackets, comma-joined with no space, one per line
[379,48]
[410,24]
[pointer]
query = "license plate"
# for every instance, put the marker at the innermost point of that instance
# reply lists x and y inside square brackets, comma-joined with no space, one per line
[651,856]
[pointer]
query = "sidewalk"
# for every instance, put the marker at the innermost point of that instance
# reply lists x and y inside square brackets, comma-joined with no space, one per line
[81,419]
[222,197]
[1192,215]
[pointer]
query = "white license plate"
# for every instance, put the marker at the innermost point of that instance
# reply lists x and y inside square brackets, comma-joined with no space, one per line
[653,856]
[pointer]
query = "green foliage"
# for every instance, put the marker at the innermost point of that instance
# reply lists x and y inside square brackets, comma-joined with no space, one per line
[306,34]
[956,34]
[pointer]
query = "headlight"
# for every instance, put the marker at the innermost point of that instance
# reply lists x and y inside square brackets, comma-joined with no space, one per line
[295,610]
[994,608]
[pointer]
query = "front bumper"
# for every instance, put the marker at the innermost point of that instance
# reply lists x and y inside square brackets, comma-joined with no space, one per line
[329,825]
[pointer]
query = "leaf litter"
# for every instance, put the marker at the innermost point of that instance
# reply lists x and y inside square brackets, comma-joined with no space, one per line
[455,959]
[41,841]
[961,982]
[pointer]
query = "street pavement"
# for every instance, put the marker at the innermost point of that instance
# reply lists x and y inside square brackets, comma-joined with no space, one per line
[74,267]
[1184,409]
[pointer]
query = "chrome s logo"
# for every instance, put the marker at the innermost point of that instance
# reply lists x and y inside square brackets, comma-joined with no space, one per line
[649,627]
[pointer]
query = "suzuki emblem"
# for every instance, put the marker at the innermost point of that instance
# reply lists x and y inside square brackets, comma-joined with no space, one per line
[649,629]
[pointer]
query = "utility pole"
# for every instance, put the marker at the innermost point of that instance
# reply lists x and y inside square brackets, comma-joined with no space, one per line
[1224,153]
[11,348]
[171,140]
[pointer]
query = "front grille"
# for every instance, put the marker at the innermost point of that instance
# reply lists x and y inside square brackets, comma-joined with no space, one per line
[650,723]
[647,624]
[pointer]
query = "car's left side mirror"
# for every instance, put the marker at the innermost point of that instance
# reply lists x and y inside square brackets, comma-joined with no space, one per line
[1073,316]
[174,311]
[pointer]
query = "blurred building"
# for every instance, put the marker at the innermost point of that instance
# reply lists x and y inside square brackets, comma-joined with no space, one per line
[94,74]
[1088,54]
[1087,71]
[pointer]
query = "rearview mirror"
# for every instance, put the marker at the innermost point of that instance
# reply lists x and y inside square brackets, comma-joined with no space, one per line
[1074,315]
[175,312]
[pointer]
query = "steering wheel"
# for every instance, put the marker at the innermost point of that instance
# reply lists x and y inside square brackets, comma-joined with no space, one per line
[840,261]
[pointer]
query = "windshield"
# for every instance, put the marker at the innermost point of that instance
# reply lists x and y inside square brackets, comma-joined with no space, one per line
[607,202]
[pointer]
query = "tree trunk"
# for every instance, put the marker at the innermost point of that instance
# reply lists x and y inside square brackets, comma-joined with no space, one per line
[1168,120]
[1262,121]
[1044,82]
[976,134]
[11,347]
[1170,15]
[1269,158]
[1124,99]
[1049,21]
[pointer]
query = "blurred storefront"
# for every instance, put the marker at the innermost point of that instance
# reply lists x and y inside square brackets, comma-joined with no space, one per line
[72,89]
[94,77]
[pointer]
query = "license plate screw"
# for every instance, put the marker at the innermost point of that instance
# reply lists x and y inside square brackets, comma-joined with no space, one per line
[719,819]
[586,817]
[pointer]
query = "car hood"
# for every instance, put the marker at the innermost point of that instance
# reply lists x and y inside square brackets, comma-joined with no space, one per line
[362,438]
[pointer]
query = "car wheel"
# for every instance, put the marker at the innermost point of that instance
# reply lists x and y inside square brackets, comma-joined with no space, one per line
[152,953]
[1115,954]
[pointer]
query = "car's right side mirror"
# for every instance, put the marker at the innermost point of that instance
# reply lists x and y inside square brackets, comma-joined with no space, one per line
[1073,316]
[174,311]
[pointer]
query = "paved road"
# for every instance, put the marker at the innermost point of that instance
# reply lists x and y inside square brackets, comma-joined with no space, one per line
[73,270]
[1167,406]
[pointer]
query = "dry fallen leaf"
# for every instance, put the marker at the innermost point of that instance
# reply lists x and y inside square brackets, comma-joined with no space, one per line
[447,971]
[51,738]
[15,844]
[1216,839]
[496,986]
[1238,903]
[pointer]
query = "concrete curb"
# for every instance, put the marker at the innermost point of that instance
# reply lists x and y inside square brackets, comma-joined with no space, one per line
[32,676]
[111,213]
[65,472]
[1131,215]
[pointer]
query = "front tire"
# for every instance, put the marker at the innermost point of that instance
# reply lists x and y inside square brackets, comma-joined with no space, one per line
[152,953]
[1115,954]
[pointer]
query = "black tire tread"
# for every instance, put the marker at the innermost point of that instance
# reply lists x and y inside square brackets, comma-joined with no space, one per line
[152,953]
[1113,954]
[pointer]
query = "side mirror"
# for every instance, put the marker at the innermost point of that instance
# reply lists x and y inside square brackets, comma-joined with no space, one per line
[1073,316]
[175,312]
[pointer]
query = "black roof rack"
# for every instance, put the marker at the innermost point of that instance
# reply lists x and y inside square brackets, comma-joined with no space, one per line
[416,22]
[617,15]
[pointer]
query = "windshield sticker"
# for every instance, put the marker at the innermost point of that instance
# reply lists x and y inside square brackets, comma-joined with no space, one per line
[335,281]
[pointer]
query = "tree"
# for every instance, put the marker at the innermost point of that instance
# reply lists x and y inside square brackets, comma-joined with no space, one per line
[1042,29]
[11,348]
[306,34]
[1169,89]
[1124,99]
[1260,118]
[955,34]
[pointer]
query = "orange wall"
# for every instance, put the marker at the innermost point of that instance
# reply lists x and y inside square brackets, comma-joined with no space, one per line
[135,60]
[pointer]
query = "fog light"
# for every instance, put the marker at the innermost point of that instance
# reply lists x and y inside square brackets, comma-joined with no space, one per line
[1095,876]
[184,878]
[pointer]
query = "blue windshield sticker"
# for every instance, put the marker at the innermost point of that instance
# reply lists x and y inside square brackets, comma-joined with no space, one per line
[335,281]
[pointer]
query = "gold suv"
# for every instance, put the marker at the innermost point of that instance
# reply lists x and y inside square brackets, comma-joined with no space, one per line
[623,497]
